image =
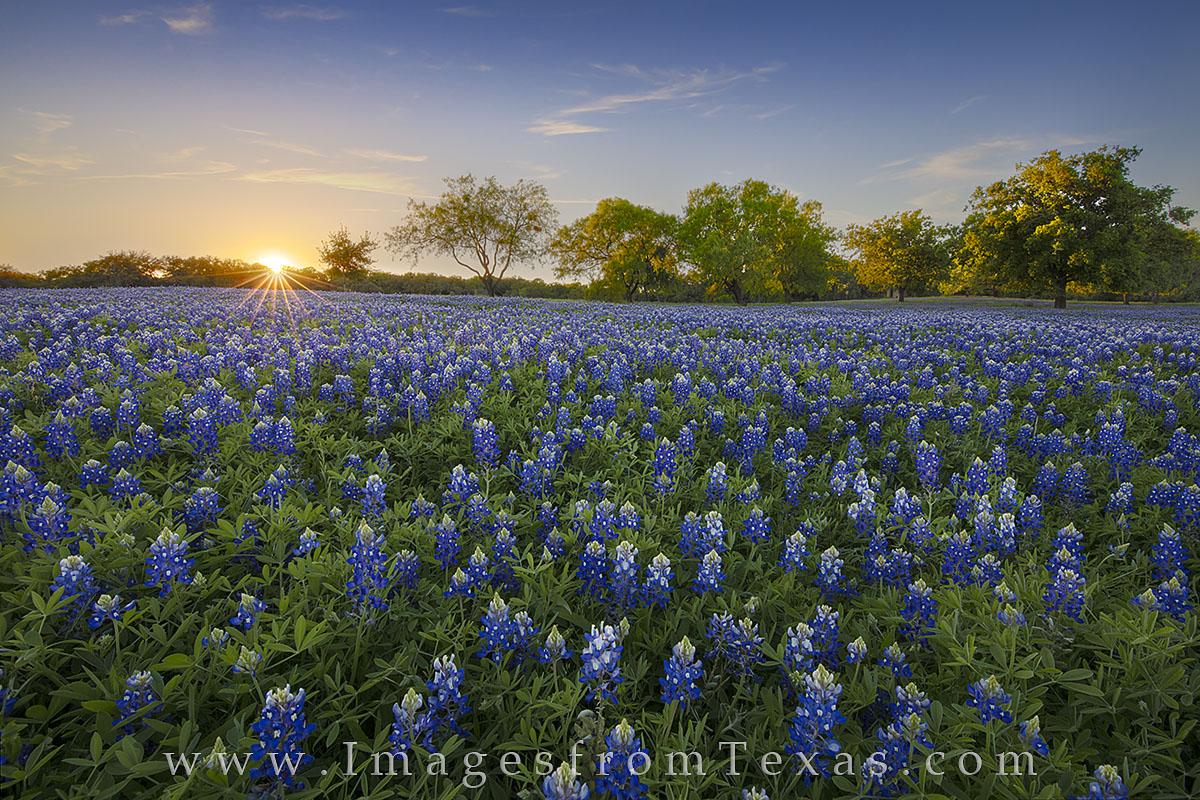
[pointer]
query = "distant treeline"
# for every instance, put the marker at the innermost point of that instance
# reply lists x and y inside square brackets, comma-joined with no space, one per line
[134,268]
[1061,225]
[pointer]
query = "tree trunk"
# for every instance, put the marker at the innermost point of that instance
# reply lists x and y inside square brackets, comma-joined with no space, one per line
[1125,298]
[739,294]
[491,285]
[1060,296]
[891,291]
[900,293]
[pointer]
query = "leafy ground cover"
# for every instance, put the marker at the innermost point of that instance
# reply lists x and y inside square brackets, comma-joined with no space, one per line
[859,538]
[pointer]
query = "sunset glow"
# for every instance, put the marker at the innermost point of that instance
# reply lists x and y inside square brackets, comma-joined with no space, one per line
[274,262]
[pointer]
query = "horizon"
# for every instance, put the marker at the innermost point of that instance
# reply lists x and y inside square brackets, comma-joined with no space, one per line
[252,131]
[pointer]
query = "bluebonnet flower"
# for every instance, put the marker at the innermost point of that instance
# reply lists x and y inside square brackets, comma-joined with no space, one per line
[248,662]
[990,699]
[623,577]
[92,473]
[683,673]
[656,590]
[406,571]
[281,730]
[202,433]
[1106,786]
[372,498]
[1031,734]
[1074,487]
[446,547]
[757,527]
[554,649]
[664,466]
[798,653]
[601,669]
[919,611]
[928,463]
[215,638]
[485,442]
[1168,555]
[309,541]
[711,576]
[1029,516]
[795,553]
[856,651]
[810,730]
[1170,597]
[139,699]
[108,608]
[825,635]
[125,486]
[736,642]
[249,607]
[895,661]
[201,509]
[959,559]
[593,570]
[411,726]
[718,483]
[370,583]
[622,764]
[830,581]
[168,564]
[562,785]
[77,583]
[496,630]
[447,702]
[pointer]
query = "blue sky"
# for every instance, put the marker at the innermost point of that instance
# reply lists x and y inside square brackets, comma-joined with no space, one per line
[239,129]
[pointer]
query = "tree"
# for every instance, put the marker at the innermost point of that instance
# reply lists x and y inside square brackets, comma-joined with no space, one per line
[621,247]
[804,260]
[345,257]
[1061,221]
[904,251]
[482,225]
[739,239]
[1168,256]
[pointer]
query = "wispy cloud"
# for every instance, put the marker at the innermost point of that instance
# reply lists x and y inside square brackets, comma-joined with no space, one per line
[385,155]
[970,101]
[200,171]
[68,162]
[380,182]
[46,123]
[467,11]
[264,139]
[970,162]
[662,87]
[315,13]
[543,172]
[193,20]
[558,127]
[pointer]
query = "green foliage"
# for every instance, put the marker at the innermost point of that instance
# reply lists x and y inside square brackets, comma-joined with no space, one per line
[753,240]
[1064,220]
[904,251]
[341,255]
[483,226]
[625,249]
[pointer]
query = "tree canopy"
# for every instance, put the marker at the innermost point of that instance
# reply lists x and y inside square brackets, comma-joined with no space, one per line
[341,255]
[621,247]
[1060,221]
[482,225]
[903,251]
[749,238]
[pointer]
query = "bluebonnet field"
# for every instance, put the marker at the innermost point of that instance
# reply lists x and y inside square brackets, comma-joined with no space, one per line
[240,523]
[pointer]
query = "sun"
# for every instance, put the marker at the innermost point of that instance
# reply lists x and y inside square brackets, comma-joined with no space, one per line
[275,262]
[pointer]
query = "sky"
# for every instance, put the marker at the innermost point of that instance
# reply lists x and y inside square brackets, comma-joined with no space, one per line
[251,130]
